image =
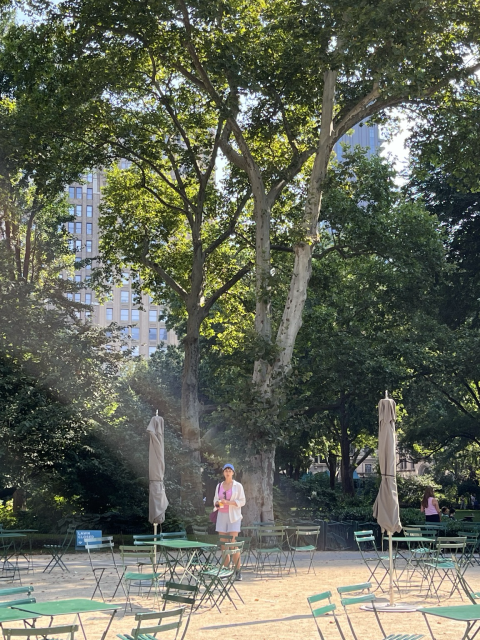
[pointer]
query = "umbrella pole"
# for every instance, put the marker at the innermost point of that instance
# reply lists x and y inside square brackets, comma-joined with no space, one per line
[155,525]
[390,554]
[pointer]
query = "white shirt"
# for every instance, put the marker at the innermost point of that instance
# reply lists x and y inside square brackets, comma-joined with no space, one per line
[238,496]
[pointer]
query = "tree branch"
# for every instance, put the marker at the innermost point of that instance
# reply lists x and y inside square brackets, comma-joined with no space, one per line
[231,227]
[223,289]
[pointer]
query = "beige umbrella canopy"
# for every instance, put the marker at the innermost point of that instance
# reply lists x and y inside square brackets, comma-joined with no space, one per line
[157,500]
[386,509]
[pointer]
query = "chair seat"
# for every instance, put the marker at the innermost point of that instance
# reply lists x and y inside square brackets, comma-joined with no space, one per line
[271,550]
[423,550]
[218,573]
[308,547]
[446,564]
[130,575]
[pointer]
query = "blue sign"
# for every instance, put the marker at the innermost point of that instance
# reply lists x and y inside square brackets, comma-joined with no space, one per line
[82,535]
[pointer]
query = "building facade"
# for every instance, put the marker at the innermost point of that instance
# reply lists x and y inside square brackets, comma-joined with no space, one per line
[147,332]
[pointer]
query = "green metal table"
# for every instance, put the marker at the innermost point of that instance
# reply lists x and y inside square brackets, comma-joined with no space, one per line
[468,613]
[13,615]
[181,554]
[73,606]
[8,549]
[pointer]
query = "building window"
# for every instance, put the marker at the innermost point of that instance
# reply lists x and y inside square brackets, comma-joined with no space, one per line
[78,245]
[89,177]
[88,266]
[89,211]
[71,192]
[71,227]
[88,298]
[152,335]
[135,351]
[162,334]
[89,193]
[77,297]
[78,278]
[124,315]
[125,332]
[78,227]
[153,315]
[88,278]
[124,297]
[89,228]
[89,246]
[135,315]
[109,313]
[151,350]
[135,331]
[368,468]
[69,296]
[125,278]
[71,210]
[78,193]
[78,210]
[71,245]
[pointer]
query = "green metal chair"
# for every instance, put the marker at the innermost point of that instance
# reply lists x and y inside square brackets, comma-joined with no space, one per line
[320,612]
[139,557]
[220,580]
[47,633]
[183,594]
[200,532]
[170,620]
[59,550]
[269,550]
[358,595]
[449,562]
[305,541]
[103,544]
[371,557]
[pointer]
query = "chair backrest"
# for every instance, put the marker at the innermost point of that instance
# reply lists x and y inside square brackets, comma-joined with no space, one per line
[173,619]
[304,536]
[95,544]
[69,536]
[135,555]
[199,532]
[137,538]
[270,536]
[231,550]
[43,632]
[174,535]
[319,612]
[27,590]
[353,595]
[180,593]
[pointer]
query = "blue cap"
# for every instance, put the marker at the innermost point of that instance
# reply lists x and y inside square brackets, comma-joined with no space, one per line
[228,466]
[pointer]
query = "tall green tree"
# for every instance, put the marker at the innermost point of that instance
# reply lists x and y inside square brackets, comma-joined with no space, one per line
[287,80]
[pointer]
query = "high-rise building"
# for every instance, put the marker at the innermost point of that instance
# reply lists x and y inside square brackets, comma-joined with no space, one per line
[147,332]
[362,134]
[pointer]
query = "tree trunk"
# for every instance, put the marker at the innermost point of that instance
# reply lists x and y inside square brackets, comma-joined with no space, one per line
[346,466]
[257,482]
[191,477]
[332,468]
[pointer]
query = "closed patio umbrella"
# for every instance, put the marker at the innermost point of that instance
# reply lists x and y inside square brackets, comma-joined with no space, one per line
[386,509]
[157,500]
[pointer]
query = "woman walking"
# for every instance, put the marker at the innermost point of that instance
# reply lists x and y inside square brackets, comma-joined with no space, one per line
[229,500]
[429,506]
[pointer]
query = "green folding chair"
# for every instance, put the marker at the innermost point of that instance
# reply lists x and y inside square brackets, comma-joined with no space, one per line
[220,580]
[47,633]
[319,613]
[448,563]
[103,544]
[269,550]
[170,620]
[59,550]
[373,560]
[200,533]
[305,541]
[355,595]
[140,558]
[184,594]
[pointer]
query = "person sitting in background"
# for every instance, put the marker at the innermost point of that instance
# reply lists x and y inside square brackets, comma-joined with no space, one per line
[451,513]
[444,513]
